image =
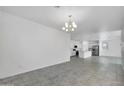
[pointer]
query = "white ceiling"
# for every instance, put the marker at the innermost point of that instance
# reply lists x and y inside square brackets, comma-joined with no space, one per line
[89,19]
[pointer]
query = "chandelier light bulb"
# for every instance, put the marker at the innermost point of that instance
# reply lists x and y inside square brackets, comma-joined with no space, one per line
[72,29]
[74,25]
[63,28]
[66,24]
[66,30]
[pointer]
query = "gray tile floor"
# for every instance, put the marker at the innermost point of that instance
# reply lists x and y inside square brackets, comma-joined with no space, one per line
[94,71]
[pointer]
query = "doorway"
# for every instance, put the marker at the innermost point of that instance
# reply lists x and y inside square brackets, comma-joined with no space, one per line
[94,47]
[95,50]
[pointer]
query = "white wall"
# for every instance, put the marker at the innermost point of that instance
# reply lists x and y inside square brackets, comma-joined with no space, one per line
[114,43]
[122,38]
[85,46]
[26,46]
[114,48]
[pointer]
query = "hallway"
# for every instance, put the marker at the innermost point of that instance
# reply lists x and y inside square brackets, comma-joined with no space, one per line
[95,71]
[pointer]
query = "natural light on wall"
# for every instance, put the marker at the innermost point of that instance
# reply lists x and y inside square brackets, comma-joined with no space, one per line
[103,35]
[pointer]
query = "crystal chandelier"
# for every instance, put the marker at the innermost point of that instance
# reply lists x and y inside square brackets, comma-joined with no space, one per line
[70,26]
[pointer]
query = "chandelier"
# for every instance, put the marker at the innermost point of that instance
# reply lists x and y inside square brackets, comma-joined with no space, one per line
[70,26]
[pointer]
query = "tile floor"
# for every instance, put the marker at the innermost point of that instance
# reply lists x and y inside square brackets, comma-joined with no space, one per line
[94,71]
